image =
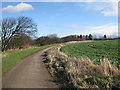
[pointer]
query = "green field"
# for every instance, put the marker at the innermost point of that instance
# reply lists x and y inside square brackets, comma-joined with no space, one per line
[95,50]
[10,58]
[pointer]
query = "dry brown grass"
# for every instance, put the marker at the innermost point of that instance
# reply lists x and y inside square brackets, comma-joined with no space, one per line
[85,66]
[81,72]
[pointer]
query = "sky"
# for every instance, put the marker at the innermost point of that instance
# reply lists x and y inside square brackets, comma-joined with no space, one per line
[67,18]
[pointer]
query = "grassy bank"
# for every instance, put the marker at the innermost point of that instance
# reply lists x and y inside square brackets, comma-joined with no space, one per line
[10,58]
[95,51]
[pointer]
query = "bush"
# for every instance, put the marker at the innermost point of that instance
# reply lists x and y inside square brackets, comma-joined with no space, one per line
[19,41]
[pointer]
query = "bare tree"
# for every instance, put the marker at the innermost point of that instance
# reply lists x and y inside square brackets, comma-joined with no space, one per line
[13,26]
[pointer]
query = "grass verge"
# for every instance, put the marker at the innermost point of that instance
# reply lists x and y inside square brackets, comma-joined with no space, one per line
[10,58]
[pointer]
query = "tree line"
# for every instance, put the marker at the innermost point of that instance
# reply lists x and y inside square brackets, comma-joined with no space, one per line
[51,39]
[18,33]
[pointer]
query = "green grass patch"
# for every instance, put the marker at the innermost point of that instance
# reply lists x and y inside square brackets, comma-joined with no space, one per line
[10,58]
[95,50]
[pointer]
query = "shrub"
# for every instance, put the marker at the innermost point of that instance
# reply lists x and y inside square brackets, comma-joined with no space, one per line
[19,41]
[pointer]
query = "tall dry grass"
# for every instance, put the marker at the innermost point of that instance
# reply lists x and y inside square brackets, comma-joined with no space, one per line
[81,72]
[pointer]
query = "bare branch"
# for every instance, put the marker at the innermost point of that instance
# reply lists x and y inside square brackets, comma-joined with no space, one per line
[13,26]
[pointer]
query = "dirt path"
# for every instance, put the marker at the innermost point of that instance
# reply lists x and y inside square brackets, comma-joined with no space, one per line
[29,73]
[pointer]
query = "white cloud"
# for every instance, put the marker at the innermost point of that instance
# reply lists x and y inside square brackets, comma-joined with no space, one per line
[110,10]
[18,8]
[109,29]
[106,8]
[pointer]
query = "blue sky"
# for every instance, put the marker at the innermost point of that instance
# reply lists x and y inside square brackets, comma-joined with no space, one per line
[67,18]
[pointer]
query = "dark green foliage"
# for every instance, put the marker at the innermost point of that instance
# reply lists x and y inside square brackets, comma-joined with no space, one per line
[90,37]
[105,36]
[81,36]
